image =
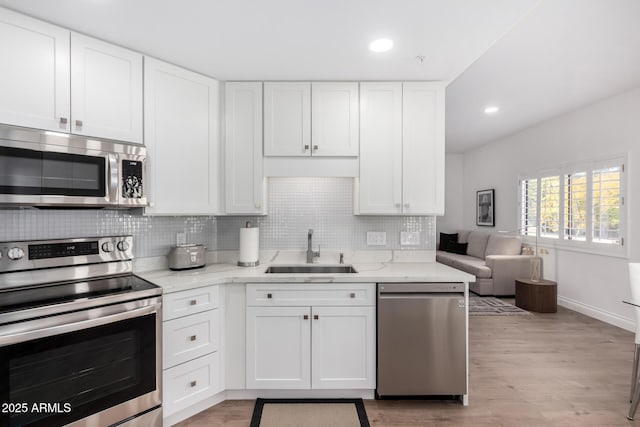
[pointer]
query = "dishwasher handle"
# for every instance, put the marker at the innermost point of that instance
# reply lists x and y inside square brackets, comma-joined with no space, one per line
[421,288]
[419,295]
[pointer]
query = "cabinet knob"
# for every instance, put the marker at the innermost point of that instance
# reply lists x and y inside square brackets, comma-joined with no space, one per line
[306,147]
[398,205]
[305,317]
[193,383]
[406,205]
[316,317]
[79,123]
[257,205]
[63,120]
[192,338]
[352,295]
[193,302]
[315,148]
[269,295]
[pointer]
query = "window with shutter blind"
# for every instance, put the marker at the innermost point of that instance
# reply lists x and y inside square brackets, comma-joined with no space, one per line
[579,205]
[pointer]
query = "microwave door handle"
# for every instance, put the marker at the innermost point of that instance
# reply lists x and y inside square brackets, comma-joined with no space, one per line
[70,322]
[112,177]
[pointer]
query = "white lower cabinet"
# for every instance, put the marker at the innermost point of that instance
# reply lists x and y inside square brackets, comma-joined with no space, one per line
[191,348]
[311,346]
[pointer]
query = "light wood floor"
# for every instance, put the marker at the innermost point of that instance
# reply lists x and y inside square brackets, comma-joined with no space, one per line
[561,369]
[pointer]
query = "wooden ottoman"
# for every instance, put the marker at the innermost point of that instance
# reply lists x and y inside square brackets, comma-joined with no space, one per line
[541,296]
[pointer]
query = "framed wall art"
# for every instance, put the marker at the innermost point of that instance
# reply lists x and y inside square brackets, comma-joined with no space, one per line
[485,208]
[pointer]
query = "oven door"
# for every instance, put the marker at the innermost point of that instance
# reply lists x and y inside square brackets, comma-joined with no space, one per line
[93,367]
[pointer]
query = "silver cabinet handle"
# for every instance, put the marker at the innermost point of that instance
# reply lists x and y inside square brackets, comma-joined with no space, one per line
[193,383]
[193,302]
[192,338]
[79,123]
[63,120]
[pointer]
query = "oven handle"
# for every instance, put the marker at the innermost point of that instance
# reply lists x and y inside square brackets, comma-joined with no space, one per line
[71,322]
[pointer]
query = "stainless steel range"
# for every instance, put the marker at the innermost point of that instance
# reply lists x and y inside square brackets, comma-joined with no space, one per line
[80,335]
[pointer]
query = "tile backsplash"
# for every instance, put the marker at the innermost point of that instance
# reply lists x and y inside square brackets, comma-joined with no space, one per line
[153,236]
[295,205]
[325,205]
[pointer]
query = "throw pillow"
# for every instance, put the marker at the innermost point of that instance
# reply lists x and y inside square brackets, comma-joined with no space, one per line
[457,248]
[445,239]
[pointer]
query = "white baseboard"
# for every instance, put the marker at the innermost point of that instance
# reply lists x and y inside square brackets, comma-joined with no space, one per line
[597,313]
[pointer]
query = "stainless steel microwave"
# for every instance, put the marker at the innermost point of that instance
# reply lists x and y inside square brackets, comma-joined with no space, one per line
[41,168]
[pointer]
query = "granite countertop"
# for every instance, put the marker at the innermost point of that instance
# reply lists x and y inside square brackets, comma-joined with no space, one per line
[367,272]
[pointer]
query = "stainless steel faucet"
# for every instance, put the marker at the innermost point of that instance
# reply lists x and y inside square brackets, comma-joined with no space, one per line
[311,254]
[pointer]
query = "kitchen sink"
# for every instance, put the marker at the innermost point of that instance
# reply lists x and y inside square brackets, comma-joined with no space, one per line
[311,269]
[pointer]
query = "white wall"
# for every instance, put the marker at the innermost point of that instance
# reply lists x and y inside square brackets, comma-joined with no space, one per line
[589,283]
[453,200]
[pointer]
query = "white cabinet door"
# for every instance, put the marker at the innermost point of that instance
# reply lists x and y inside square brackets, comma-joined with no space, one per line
[380,181]
[343,347]
[287,119]
[34,75]
[244,181]
[182,138]
[334,119]
[106,90]
[278,348]
[423,148]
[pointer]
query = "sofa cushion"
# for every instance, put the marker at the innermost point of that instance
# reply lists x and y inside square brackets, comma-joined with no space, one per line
[466,263]
[445,239]
[463,236]
[457,248]
[503,245]
[477,244]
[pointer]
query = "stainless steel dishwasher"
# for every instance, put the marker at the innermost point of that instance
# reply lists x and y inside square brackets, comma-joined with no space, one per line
[422,342]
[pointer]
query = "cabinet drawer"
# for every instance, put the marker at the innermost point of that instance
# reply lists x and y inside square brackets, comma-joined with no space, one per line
[193,301]
[191,382]
[317,294]
[189,337]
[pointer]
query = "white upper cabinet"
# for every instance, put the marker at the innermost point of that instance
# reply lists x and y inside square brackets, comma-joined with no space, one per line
[311,119]
[182,137]
[287,119]
[106,90]
[380,148]
[244,181]
[34,75]
[55,80]
[423,148]
[401,149]
[334,119]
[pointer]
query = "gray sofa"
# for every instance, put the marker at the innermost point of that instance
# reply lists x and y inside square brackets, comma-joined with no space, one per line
[496,261]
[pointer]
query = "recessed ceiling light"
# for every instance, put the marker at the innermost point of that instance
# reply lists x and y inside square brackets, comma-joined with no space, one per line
[381,45]
[491,109]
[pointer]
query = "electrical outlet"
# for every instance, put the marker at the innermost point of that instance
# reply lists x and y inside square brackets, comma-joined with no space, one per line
[409,238]
[181,238]
[376,238]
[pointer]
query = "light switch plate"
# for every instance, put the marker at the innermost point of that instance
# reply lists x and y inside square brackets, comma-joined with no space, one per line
[409,238]
[376,238]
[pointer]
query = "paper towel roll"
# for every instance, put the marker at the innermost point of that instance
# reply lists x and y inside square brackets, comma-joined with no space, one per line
[249,247]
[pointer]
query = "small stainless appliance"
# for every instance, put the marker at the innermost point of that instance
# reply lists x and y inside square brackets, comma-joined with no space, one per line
[80,335]
[422,343]
[41,168]
[183,257]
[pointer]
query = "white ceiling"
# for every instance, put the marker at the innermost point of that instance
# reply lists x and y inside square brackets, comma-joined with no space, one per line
[536,58]
[563,55]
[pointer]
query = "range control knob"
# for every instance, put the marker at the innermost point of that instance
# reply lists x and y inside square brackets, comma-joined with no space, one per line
[123,246]
[15,254]
[108,247]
